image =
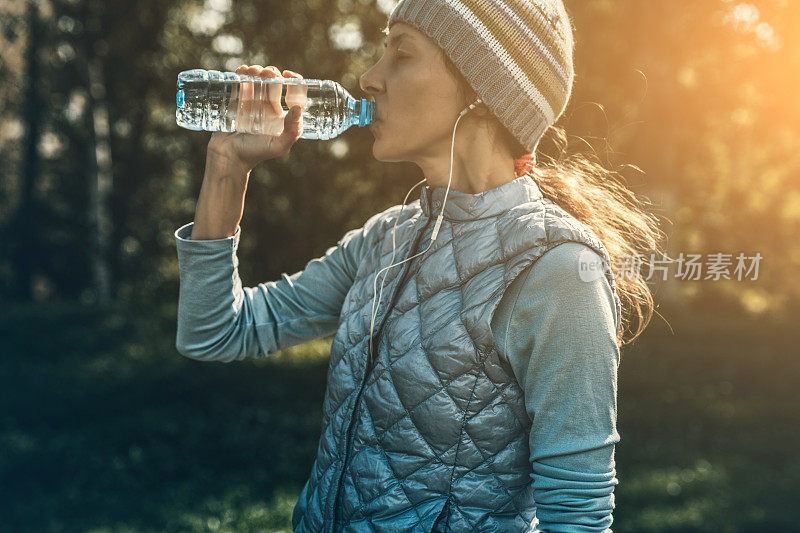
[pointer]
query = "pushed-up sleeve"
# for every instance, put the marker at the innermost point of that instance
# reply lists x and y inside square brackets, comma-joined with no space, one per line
[557,328]
[219,320]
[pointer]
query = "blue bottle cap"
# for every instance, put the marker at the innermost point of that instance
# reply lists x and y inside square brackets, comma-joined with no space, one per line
[367,109]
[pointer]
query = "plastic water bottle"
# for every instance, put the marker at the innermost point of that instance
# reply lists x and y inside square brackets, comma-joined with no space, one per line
[211,100]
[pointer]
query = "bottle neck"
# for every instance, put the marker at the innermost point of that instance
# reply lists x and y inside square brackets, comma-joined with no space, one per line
[361,110]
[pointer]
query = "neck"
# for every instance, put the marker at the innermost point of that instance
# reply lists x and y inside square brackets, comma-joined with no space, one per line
[477,165]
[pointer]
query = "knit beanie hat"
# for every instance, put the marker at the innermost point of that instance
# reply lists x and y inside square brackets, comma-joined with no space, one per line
[516,55]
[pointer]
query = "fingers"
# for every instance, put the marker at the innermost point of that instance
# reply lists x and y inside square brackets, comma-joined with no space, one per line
[244,111]
[261,111]
[261,103]
[272,95]
[296,94]
[268,98]
[254,70]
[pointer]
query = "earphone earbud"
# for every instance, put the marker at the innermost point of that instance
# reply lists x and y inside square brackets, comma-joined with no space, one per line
[471,106]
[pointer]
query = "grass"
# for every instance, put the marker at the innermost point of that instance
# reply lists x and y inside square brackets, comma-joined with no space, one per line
[106,428]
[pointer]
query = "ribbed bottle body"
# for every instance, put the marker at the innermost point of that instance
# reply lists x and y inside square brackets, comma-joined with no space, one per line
[211,100]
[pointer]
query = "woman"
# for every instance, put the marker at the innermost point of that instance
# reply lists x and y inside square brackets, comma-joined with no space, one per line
[480,393]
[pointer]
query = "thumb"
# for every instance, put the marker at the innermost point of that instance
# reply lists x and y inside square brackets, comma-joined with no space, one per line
[292,122]
[291,129]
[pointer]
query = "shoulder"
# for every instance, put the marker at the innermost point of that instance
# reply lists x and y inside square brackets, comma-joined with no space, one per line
[566,281]
[357,243]
[569,264]
[543,223]
[572,281]
[568,271]
[553,308]
[379,223]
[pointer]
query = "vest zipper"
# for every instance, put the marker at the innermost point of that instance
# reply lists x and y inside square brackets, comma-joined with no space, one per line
[370,363]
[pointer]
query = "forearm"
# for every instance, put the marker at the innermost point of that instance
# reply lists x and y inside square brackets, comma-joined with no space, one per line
[220,205]
[573,492]
[217,318]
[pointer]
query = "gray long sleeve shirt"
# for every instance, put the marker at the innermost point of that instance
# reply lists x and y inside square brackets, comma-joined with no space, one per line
[556,330]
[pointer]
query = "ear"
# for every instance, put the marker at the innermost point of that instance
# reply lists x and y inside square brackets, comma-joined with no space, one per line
[481,110]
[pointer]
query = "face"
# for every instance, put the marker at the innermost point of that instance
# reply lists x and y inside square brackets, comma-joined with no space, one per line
[415,98]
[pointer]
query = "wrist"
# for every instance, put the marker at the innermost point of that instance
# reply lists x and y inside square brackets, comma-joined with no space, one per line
[220,165]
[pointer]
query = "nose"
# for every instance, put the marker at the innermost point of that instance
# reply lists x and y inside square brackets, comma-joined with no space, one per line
[369,83]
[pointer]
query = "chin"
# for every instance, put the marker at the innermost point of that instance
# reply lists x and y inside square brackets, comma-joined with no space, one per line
[388,154]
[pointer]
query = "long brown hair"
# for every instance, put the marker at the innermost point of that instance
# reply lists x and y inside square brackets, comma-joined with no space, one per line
[596,197]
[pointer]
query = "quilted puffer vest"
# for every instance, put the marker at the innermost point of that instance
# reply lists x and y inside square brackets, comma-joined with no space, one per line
[430,432]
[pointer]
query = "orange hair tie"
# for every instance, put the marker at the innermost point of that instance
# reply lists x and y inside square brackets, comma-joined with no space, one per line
[524,164]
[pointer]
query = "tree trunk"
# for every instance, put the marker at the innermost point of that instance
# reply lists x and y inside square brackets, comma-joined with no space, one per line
[23,233]
[101,182]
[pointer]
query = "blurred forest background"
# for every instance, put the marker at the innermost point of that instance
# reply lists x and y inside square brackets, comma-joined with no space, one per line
[107,428]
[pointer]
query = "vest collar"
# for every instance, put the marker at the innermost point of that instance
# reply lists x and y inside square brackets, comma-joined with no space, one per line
[489,203]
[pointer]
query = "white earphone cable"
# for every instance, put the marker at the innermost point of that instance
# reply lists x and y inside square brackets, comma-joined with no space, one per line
[433,235]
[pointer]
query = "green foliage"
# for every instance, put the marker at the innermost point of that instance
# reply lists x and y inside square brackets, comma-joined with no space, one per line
[298,206]
[107,428]
[698,95]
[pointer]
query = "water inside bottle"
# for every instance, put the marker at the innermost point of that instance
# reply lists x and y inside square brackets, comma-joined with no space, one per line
[226,101]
